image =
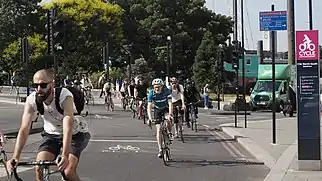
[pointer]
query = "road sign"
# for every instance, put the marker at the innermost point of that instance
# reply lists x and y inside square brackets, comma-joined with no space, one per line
[273,20]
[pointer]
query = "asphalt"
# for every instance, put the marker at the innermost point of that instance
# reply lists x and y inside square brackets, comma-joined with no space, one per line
[207,155]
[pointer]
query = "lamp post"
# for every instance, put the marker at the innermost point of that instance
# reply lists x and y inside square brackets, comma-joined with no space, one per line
[168,59]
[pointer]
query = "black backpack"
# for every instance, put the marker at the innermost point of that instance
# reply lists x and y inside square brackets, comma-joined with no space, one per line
[79,101]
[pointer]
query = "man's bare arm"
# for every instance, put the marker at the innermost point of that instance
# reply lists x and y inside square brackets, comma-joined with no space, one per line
[24,130]
[68,106]
[149,110]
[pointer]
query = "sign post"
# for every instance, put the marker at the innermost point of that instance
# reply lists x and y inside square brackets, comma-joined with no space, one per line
[308,99]
[273,21]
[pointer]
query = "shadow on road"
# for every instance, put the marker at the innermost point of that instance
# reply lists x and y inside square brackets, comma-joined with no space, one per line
[203,138]
[181,162]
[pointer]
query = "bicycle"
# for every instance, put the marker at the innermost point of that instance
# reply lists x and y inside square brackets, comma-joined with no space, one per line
[192,116]
[165,141]
[124,102]
[133,103]
[45,172]
[180,120]
[4,160]
[108,102]
[88,96]
[17,95]
[144,110]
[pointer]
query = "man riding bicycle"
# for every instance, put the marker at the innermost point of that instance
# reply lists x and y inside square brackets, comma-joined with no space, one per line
[192,96]
[61,130]
[160,97]
[177,94]
[108,88]
[140,93]
[130,90]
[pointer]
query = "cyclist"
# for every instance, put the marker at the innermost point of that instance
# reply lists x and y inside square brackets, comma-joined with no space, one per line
[160,97]
[192,96]
[59,130]
[108,88]
[140,93]
[130,90]
[86,85]
[177,94]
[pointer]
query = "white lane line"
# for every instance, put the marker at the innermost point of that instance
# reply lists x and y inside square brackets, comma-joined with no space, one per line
[223,144]
[230,145]
[124,141]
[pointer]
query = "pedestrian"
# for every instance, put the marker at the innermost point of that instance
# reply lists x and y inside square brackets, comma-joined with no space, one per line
[206,96]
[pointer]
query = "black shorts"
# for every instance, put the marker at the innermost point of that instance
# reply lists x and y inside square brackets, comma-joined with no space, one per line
[123,94]
[159,115]
[175,110]
[53,143]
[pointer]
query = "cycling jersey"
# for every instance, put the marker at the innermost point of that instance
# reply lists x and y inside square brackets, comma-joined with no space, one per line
[131,87]
[142,90]
[160,100]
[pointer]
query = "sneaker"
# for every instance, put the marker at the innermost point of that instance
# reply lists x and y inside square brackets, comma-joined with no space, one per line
[188,125]
[176,135]
[160,154]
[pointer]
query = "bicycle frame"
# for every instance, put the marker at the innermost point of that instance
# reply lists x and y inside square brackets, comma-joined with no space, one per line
[180,120]
[165,142]
[192,115]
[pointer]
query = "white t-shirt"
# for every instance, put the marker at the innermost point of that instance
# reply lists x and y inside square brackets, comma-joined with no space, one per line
[176,95]
[108,85]
[53,120]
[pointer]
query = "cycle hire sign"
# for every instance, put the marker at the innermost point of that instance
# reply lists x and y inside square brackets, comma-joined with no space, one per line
[307,47]
[308,95]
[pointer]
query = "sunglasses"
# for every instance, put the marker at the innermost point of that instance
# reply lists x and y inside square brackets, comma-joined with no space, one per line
[42,85]
[157,87]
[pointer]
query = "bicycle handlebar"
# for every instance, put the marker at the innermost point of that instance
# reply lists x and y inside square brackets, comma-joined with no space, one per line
[35,163]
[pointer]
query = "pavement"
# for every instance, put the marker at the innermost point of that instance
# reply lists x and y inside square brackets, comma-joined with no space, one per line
[122,148]
[281,157]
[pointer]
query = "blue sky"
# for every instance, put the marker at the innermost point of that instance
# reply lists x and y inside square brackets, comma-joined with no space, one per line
[251,18]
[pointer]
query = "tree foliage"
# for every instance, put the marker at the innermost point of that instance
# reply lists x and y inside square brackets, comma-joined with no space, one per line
[145,24]
[206,68]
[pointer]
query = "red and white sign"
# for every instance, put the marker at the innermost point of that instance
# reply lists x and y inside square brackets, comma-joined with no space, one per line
[307,45]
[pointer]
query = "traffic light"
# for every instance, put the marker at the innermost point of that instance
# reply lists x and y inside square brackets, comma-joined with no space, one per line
[236,54]
[49,29]
[58,31]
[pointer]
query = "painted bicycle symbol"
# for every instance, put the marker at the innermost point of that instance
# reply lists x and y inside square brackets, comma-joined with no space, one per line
[120,147]
[307,44]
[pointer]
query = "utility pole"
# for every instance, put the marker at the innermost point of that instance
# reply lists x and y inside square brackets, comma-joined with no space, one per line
[291,32]
[235,40]
[243,57]
[310,15]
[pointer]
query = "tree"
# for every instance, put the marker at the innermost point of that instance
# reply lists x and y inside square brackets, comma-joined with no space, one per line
[141,69]
[90,25]
[36,50]
[205,68]
[18,18]
[148,23]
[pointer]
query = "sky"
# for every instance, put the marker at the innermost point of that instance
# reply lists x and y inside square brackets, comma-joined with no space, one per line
[251,18]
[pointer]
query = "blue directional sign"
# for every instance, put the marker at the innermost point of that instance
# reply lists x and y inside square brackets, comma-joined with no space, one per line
[273,20]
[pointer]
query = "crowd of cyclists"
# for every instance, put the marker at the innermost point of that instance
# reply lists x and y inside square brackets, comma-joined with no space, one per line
[143,99]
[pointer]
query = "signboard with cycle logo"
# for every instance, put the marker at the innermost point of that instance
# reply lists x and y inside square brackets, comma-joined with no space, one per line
[307,47]
[308,94]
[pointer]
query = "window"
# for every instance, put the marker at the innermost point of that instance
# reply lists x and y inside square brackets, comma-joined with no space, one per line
[248,61]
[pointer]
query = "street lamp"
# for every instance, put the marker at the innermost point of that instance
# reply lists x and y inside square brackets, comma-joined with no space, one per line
[168,59]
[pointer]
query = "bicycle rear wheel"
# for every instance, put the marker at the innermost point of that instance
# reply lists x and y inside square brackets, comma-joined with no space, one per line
[180,129]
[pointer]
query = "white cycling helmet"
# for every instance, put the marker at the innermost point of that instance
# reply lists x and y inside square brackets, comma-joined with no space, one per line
[157,82]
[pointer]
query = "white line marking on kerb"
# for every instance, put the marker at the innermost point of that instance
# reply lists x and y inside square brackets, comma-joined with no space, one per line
[228,146]
[125,141]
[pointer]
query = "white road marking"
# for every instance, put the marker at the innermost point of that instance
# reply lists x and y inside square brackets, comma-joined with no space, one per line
[232,147]
[124,141]
[222,143]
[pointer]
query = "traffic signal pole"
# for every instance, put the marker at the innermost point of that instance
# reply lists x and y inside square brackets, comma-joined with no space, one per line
[235,39]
